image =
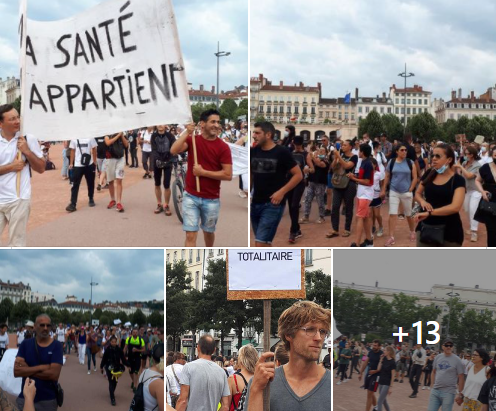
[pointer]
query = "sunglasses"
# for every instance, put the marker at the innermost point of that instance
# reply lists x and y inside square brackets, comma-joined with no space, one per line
[402,149]
[448,345]
[45,325]
[436,156]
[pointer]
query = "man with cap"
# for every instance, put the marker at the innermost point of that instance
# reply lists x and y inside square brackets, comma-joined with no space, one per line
[448,372]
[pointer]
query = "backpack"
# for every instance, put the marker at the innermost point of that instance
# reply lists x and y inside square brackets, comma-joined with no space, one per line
[138,401]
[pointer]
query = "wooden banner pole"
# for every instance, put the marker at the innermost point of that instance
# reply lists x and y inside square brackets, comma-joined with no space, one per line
[267,318]
[195,160]
[19,157]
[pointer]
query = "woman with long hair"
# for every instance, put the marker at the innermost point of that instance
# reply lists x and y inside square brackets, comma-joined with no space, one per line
[469,171]
[476,377]
[486,184]
[386,368]
[247,360]
[440,194]
[289,135]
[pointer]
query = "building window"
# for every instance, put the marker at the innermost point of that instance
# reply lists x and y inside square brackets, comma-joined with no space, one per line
[261,98]
[327,114]
[168,260]
[197,280]
[382,110]
[339,116]
[352,116]
[308,257]
[260,109]
[414,110]
[269,98]
[281,110]
[175,256]
[359,109]
[414,101]
[190,259]
[346,116]
[183,254]
[296,110]
[289,110]
[304,110]
[367,109]
[313,110]
[425,101]
[197,255]
[289,98]
[320,114]
[296,99]
[269,110]
[210,253]
[313,99]
[397,101]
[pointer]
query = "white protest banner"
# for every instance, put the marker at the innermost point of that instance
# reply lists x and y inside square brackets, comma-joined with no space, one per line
[240,159]
[115,67]
[260,274]
[8,382]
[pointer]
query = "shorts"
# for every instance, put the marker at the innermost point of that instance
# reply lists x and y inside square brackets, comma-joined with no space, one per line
[100,163]
[196,209]
[329,180]
[16,216]
[135,363]
[115,168]
[157,175]
[404,198]
[401,366]
[363,207]
[376,203]
[369,383]
[265,218]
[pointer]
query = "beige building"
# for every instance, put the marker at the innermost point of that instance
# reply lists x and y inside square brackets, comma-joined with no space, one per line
[470,106]
[196,262]
[15,291]
[318,259]
[10,89]
[418,101]
[380,104]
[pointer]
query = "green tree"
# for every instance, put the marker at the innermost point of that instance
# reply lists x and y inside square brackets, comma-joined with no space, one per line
[228,109]
[176,294]
[392,127]
[34,311]
[105,319]
[156,319]
[121,315]
[138,318]
[97,313]
[452,321]
[65,316]
[449,130]
[423,126]
[362,126]
[198,108]
[319,286]
[6,307]
[20,312]
[480,125]
[374,124]
[17,104]
[462,125]
[350,310]
[242,109]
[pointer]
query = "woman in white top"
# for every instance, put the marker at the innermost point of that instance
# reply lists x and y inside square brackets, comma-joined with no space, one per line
[153,381]
[476,377]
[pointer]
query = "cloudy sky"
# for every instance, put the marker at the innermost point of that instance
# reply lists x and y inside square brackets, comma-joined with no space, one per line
[447,44]
[124,275]
[201,24]
[417,271]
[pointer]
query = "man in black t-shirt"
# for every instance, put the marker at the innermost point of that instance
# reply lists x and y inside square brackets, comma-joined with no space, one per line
[373,358]
[132,137]
[270,166]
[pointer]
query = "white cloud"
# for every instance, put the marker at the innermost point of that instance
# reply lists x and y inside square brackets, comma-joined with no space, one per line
[365,44]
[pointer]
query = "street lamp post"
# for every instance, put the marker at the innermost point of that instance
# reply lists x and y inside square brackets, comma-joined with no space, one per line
[219,54]
[405,75]
[92,284]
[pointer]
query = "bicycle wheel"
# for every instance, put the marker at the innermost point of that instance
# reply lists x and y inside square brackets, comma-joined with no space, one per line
[177,197]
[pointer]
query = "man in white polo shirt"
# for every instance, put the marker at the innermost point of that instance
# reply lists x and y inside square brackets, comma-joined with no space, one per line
[14,208]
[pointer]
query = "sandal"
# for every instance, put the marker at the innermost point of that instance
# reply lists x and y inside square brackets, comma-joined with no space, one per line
[159,209]
[346,233]
[332,234]
[167,210]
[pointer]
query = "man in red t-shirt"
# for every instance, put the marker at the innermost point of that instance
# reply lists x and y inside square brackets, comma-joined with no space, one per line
[214,164]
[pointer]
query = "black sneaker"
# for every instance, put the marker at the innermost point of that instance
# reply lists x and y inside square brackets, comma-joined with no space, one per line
[354,245]
[373,230]
[112,402]
[396,380]
[99,187]
[299,234]
[413,396]
[369,243]
[91,203]
[71,208]
[146,175]
[327,212]
[401,381]
[292,238]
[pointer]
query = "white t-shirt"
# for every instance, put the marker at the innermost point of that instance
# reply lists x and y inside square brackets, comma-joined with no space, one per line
[8,182]
[61,334]
[147,142]
[378,177]
[474,382]
[20,336]
[4,340]
[175,386]
[84,147]
[380,157]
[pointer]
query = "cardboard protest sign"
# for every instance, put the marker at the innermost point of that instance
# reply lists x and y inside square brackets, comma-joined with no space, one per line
[115,67]
[240,159]
[258,273]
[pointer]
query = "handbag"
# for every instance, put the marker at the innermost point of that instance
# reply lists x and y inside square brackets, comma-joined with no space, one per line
[85,158]
[59,392]
[432,234]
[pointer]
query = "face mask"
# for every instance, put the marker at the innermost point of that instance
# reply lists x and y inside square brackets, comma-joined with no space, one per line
[338,146]
[321,156]
[286,133]
[442,169]
[483,149]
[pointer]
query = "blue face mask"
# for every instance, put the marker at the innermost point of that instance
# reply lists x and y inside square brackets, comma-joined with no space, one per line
[442,169]
[321,156]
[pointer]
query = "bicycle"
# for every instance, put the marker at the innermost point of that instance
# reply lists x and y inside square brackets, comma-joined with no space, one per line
[178,186]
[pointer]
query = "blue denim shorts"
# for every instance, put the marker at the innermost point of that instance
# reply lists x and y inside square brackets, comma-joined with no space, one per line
[196,209]
[265,218]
